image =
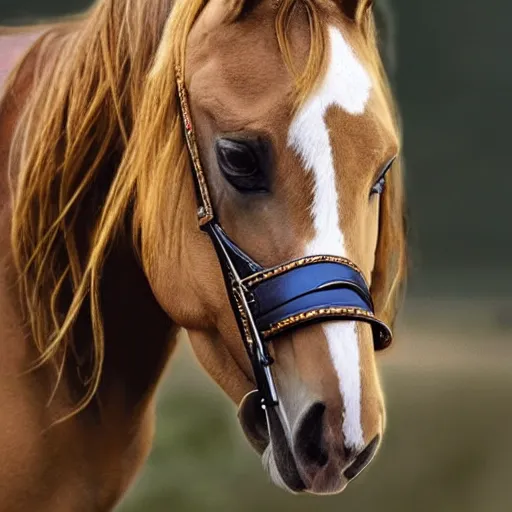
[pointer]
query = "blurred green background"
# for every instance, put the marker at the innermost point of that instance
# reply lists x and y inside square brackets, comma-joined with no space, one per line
[448,379]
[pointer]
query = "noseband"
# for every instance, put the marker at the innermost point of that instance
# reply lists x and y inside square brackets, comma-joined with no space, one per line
[269,302]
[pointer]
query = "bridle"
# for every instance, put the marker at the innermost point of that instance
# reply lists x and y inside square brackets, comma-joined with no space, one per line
[269,302]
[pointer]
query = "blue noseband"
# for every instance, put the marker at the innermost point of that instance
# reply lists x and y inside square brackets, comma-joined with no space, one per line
[302,291]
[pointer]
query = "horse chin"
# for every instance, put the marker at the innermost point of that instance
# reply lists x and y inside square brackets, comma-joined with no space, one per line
[288,480]
[271,443]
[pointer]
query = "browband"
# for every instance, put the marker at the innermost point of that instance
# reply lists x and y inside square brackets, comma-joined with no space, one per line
[270,302]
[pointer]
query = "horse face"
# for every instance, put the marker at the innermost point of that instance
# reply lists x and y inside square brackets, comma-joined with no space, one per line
[288,182]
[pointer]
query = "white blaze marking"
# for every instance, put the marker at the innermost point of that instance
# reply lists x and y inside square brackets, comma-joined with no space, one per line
[347,85]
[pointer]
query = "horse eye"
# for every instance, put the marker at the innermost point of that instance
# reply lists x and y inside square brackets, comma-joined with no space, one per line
[380,184]
[239,162]
[236,158]
[378,188]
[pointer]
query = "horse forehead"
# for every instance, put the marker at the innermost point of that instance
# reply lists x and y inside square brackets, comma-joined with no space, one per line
[239,96]
[346,116]
[346,83]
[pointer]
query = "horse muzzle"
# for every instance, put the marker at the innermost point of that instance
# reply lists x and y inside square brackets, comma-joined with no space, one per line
[301,456]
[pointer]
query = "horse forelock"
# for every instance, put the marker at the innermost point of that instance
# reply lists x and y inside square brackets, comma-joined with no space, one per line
[107,96]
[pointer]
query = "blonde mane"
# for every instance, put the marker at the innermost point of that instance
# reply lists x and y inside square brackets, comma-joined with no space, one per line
[94,148]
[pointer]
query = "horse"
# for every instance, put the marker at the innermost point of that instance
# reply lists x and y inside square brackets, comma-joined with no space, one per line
[295,149]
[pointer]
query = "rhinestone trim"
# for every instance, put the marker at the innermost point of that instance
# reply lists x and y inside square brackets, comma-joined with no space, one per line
[258,278]
[205,212]
[243,317]
[354,313]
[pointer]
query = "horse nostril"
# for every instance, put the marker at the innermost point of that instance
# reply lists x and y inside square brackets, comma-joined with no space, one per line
[362,460]
[309,439]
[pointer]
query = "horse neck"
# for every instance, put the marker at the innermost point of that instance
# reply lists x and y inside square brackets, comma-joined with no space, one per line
[139,335]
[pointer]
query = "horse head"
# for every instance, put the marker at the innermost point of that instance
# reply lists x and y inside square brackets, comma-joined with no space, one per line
[297,137]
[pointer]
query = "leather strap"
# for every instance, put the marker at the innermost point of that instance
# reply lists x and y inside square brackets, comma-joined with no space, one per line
[205,212]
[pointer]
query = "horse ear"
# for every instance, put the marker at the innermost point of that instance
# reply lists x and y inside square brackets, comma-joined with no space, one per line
[354,9]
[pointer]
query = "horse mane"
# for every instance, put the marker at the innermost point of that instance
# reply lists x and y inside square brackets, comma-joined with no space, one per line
[92,156]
